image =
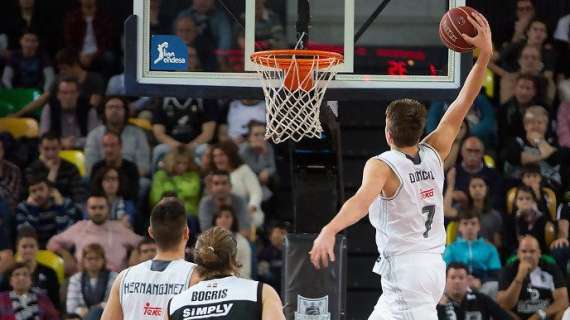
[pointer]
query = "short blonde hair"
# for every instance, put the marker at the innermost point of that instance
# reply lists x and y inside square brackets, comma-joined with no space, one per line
[176,154]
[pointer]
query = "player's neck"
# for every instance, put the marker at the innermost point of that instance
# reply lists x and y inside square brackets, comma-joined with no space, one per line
[169,255]
[412,151]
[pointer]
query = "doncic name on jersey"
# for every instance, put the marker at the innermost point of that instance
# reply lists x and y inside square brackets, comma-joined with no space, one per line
[168,53]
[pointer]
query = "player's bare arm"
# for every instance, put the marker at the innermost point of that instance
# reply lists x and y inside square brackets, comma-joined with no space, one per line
[272,306]
[443,136]
[113,309]
[375,175]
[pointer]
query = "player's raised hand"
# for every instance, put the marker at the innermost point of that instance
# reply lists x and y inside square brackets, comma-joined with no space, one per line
[323,249]
[483,39]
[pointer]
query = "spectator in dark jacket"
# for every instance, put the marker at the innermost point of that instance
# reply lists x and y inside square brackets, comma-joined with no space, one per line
[90,30]
[62,174]
[10,179]
[45,210]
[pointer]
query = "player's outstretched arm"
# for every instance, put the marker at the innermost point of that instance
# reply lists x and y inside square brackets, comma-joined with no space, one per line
[443,136]
[374,177]
[272,306]
[113,309]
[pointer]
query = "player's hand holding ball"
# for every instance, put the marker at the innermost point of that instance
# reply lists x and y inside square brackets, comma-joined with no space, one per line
[463,29]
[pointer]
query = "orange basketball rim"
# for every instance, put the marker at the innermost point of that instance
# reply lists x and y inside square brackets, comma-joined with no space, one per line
[298,65]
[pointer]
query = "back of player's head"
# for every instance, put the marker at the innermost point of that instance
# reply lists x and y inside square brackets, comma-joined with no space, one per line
[405,121]
[215,253]
[168,223]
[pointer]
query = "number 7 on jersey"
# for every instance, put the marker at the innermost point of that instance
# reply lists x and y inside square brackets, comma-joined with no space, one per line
[430,212]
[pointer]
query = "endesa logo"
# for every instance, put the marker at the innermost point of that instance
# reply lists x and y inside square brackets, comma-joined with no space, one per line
[168,53]
[152,311]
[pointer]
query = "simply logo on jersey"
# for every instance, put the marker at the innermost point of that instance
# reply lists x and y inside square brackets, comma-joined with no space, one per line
[200,312]
[168,53]
[312,309]
[152,311]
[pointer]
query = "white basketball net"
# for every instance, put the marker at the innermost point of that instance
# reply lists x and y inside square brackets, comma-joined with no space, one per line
[294,114]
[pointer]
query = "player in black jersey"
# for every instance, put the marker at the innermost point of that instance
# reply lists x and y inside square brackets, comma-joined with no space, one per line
[220,294]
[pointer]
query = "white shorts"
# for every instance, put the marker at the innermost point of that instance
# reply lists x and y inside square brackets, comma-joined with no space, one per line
[412,285]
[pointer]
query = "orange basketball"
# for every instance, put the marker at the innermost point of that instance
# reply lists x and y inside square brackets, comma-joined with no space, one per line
[453,23]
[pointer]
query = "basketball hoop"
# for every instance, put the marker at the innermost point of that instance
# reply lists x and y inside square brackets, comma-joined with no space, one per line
[294,83]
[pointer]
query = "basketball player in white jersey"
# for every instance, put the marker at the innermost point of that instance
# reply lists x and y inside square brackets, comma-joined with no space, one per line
[220,294]
[402,189]
[141,292]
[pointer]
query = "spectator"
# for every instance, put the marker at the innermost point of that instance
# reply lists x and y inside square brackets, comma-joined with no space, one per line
[472,164]
[68,116]
[189,122]
[179,175]
[531,177]
[90,89]
[28,16]
[61,173]
[89,289]
[534,147]
[530,62]
[146,250]
[221,194]
[90,31]
[10,179]
[92,85]
[128,171]
[134,142]
[44,278]
[269,33]
[480,257]
[211,23]
[536,36]
[157,25]
[28,67]
[22,302]
[510,116]
[530,287]
[526,219]
[461,302]
[45,210]
[6,252]
[226,219]
[113,236]
[204,47]
[515,32]
[240,113]
[270,265]
[225,156]
[259,155]
[107,182]
[481,119]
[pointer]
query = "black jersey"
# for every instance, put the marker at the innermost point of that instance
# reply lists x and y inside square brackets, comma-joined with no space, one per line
[221,299]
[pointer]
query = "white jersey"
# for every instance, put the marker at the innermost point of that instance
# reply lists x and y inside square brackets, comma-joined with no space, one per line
[146,288]
[411,221]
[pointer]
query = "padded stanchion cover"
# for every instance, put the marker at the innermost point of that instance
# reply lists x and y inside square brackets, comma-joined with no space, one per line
[308,293]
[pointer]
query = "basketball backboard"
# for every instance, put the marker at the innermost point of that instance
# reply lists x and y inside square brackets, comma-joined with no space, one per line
[399,54]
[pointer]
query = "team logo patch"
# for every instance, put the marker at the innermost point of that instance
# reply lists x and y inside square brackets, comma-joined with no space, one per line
[168,53]
[152,311]
[425,194]
[312,309]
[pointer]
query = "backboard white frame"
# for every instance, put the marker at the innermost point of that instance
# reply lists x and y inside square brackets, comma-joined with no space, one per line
[344,80]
